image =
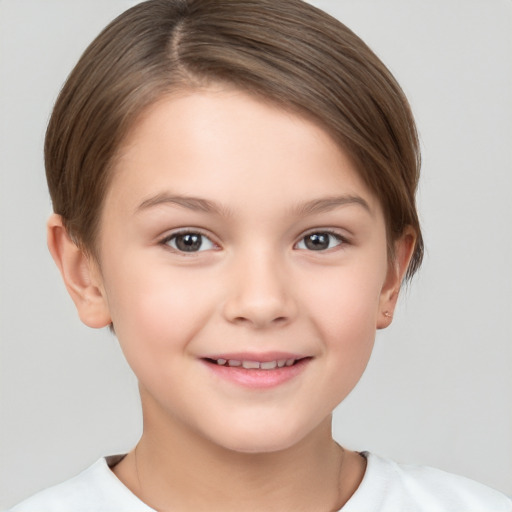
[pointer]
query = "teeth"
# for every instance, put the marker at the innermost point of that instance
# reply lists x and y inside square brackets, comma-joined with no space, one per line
[249,365]
[256,365]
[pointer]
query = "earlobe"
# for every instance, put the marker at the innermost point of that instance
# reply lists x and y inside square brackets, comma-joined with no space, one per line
[404,249]
[80,274]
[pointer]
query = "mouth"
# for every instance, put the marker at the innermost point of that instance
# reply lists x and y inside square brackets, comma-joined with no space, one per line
[248,364]
[263,372]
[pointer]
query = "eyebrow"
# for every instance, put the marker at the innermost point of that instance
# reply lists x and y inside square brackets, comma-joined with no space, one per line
[203,205]
[192,203]
[330,203]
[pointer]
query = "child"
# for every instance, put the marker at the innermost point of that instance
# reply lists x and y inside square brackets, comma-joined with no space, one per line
[233,186]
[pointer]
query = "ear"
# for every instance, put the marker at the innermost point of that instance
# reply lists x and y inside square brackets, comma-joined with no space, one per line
[397,267]
[80,273]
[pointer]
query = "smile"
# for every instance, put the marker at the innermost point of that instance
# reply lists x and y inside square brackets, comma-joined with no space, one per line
[263,372]
[254,365]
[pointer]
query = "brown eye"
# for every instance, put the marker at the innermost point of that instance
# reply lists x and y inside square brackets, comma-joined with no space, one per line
[189,242]
[320,241]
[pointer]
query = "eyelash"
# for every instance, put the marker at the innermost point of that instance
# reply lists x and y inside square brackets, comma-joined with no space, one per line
[168,239]
[340,240]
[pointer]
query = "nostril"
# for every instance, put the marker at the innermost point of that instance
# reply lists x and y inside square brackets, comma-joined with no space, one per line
[240,319]
[260,321]
[258,308]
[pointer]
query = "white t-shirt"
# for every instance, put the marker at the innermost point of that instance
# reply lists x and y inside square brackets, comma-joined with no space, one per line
[386,487]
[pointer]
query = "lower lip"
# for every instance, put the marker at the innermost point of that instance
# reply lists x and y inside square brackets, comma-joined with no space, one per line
[259,379]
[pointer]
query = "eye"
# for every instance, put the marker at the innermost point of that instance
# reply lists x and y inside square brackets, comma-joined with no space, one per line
[320,241]
[189,241]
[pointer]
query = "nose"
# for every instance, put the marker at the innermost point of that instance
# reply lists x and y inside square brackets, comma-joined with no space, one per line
[260,293]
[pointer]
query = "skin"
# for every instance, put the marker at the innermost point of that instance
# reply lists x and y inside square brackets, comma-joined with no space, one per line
[266,179]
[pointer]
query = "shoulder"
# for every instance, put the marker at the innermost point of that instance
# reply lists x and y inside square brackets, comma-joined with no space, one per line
[94,490]
[391,487]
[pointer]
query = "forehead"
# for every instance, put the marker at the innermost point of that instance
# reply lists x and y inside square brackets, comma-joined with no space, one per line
[226,143]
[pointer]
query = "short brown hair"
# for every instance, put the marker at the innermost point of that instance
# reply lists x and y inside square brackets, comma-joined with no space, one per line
[287,51]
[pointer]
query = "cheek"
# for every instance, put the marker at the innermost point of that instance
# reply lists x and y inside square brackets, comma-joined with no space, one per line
[347,299]
[156,310]
[347,327]
[343,307]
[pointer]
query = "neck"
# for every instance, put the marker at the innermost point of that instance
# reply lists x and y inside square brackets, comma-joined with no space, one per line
[175,469]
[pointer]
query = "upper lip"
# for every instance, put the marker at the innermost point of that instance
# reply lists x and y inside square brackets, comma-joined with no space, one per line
[261,357]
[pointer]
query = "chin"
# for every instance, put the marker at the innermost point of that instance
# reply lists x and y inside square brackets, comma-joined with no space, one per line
[252,446]
[265,439]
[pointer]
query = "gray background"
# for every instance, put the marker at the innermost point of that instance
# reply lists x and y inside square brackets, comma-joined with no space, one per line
[438,389]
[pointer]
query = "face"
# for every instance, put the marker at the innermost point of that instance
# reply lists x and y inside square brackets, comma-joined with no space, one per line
[243,265]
